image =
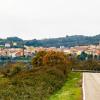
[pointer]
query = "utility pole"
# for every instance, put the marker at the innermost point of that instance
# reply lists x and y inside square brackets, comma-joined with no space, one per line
[98,50]
[99,45]
[23,49]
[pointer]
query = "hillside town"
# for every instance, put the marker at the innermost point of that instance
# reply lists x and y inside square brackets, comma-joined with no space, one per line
[7,50]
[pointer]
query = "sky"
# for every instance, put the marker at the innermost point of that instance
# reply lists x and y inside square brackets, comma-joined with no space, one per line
[29,19]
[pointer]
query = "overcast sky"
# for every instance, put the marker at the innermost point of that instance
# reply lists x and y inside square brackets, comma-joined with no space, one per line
[30,19]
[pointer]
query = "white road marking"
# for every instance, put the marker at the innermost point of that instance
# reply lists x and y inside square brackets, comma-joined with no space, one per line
[83,84]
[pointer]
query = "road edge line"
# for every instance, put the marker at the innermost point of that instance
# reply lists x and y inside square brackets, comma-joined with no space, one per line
[83,86]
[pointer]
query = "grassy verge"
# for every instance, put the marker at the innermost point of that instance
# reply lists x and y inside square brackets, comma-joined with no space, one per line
[71,90]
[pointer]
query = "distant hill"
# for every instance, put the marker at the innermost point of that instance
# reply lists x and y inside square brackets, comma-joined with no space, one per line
[67,41]
[10,40]
[33,42]
[14,39]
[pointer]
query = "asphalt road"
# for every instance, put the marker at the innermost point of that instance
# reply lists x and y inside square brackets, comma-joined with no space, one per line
[91,86]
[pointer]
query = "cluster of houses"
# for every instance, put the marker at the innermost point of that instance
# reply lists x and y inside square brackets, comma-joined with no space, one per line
[8,51]
[25,51]
[77,50]
[15,52]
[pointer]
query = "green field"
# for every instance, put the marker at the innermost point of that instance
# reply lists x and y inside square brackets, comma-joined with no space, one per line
[71,90]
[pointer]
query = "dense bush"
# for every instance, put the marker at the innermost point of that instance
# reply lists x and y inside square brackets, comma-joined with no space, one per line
[11,69]
[31,85]
[38,59]
[91,65]
[53,59]
[86,65]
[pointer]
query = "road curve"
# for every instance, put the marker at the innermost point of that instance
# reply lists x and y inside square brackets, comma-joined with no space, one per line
[91,86]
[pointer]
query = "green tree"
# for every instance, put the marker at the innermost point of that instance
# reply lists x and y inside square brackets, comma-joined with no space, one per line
[83,56]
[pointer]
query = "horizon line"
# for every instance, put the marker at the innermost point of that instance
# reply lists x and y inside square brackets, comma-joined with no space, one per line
[48,37]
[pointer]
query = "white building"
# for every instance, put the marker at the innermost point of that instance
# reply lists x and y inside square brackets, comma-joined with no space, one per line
[7,45]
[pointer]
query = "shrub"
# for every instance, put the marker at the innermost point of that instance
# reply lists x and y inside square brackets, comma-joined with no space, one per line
[38,59]
[54,58]
[11,69]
